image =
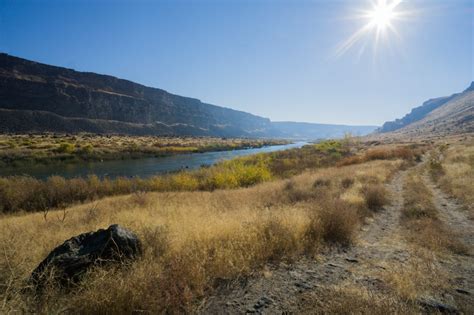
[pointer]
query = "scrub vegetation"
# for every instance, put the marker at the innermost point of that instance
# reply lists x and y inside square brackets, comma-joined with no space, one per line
[21,149]
[23,193]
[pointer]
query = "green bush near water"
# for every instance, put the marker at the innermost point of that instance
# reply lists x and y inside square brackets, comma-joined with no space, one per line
[66,147]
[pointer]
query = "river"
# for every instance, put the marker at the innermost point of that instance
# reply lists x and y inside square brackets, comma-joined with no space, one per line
[144,167]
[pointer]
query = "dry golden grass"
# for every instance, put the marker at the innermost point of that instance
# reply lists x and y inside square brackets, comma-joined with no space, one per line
[417,278]
[457,173]
[418,199]
[350,298]
[405,152]
[192,240]
[421,218]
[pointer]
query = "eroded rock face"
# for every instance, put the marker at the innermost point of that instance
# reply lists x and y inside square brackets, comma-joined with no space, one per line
[63,100]
[75,256]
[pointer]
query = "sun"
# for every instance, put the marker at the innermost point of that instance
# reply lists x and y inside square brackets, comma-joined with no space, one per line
[382,15]
[379,21]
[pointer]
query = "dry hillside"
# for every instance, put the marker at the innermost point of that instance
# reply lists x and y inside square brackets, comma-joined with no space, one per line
[454,117]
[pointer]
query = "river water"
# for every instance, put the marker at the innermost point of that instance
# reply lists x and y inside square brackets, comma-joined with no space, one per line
[144,167]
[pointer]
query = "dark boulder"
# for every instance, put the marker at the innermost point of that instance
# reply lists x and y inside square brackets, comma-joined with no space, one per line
[75,256]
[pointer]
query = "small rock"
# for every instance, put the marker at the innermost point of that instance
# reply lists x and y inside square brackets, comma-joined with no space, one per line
[140,312]
[303,285]
[334,265]
[295,274]
[433,305]
[462,291]
[263,302]
[352,260]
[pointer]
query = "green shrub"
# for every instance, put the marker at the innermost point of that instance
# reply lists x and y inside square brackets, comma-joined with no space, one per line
[183,181]
[329,146]
[88,149]
[65,147]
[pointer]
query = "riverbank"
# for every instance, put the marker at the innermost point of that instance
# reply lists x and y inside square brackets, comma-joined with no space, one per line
[18,150]
[24,193]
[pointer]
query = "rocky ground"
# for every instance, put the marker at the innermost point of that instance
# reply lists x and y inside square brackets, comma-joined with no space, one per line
[380,254]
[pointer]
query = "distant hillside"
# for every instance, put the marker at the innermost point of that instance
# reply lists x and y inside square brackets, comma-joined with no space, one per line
[300,130]
[35,97]
[437,117]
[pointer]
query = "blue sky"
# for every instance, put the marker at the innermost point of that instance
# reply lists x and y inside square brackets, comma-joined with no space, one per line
[272,58]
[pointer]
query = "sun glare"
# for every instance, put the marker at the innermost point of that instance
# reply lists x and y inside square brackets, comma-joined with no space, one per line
[382,15]
[379,21]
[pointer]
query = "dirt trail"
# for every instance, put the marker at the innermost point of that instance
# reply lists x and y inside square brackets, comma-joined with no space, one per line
[452,213]
[280,288]
[456,219]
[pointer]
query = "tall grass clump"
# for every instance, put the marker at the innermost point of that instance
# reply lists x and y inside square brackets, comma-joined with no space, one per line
[375,196]
[339,221]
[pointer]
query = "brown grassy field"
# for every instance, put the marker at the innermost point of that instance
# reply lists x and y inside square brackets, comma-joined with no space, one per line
[193,239]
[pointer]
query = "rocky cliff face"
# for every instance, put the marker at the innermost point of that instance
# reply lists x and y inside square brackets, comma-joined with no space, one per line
[416,114]
[437,117]
[27,85]
[420,112]
[35,97]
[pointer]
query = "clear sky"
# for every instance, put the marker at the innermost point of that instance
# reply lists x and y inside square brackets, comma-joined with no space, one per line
[277,59]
